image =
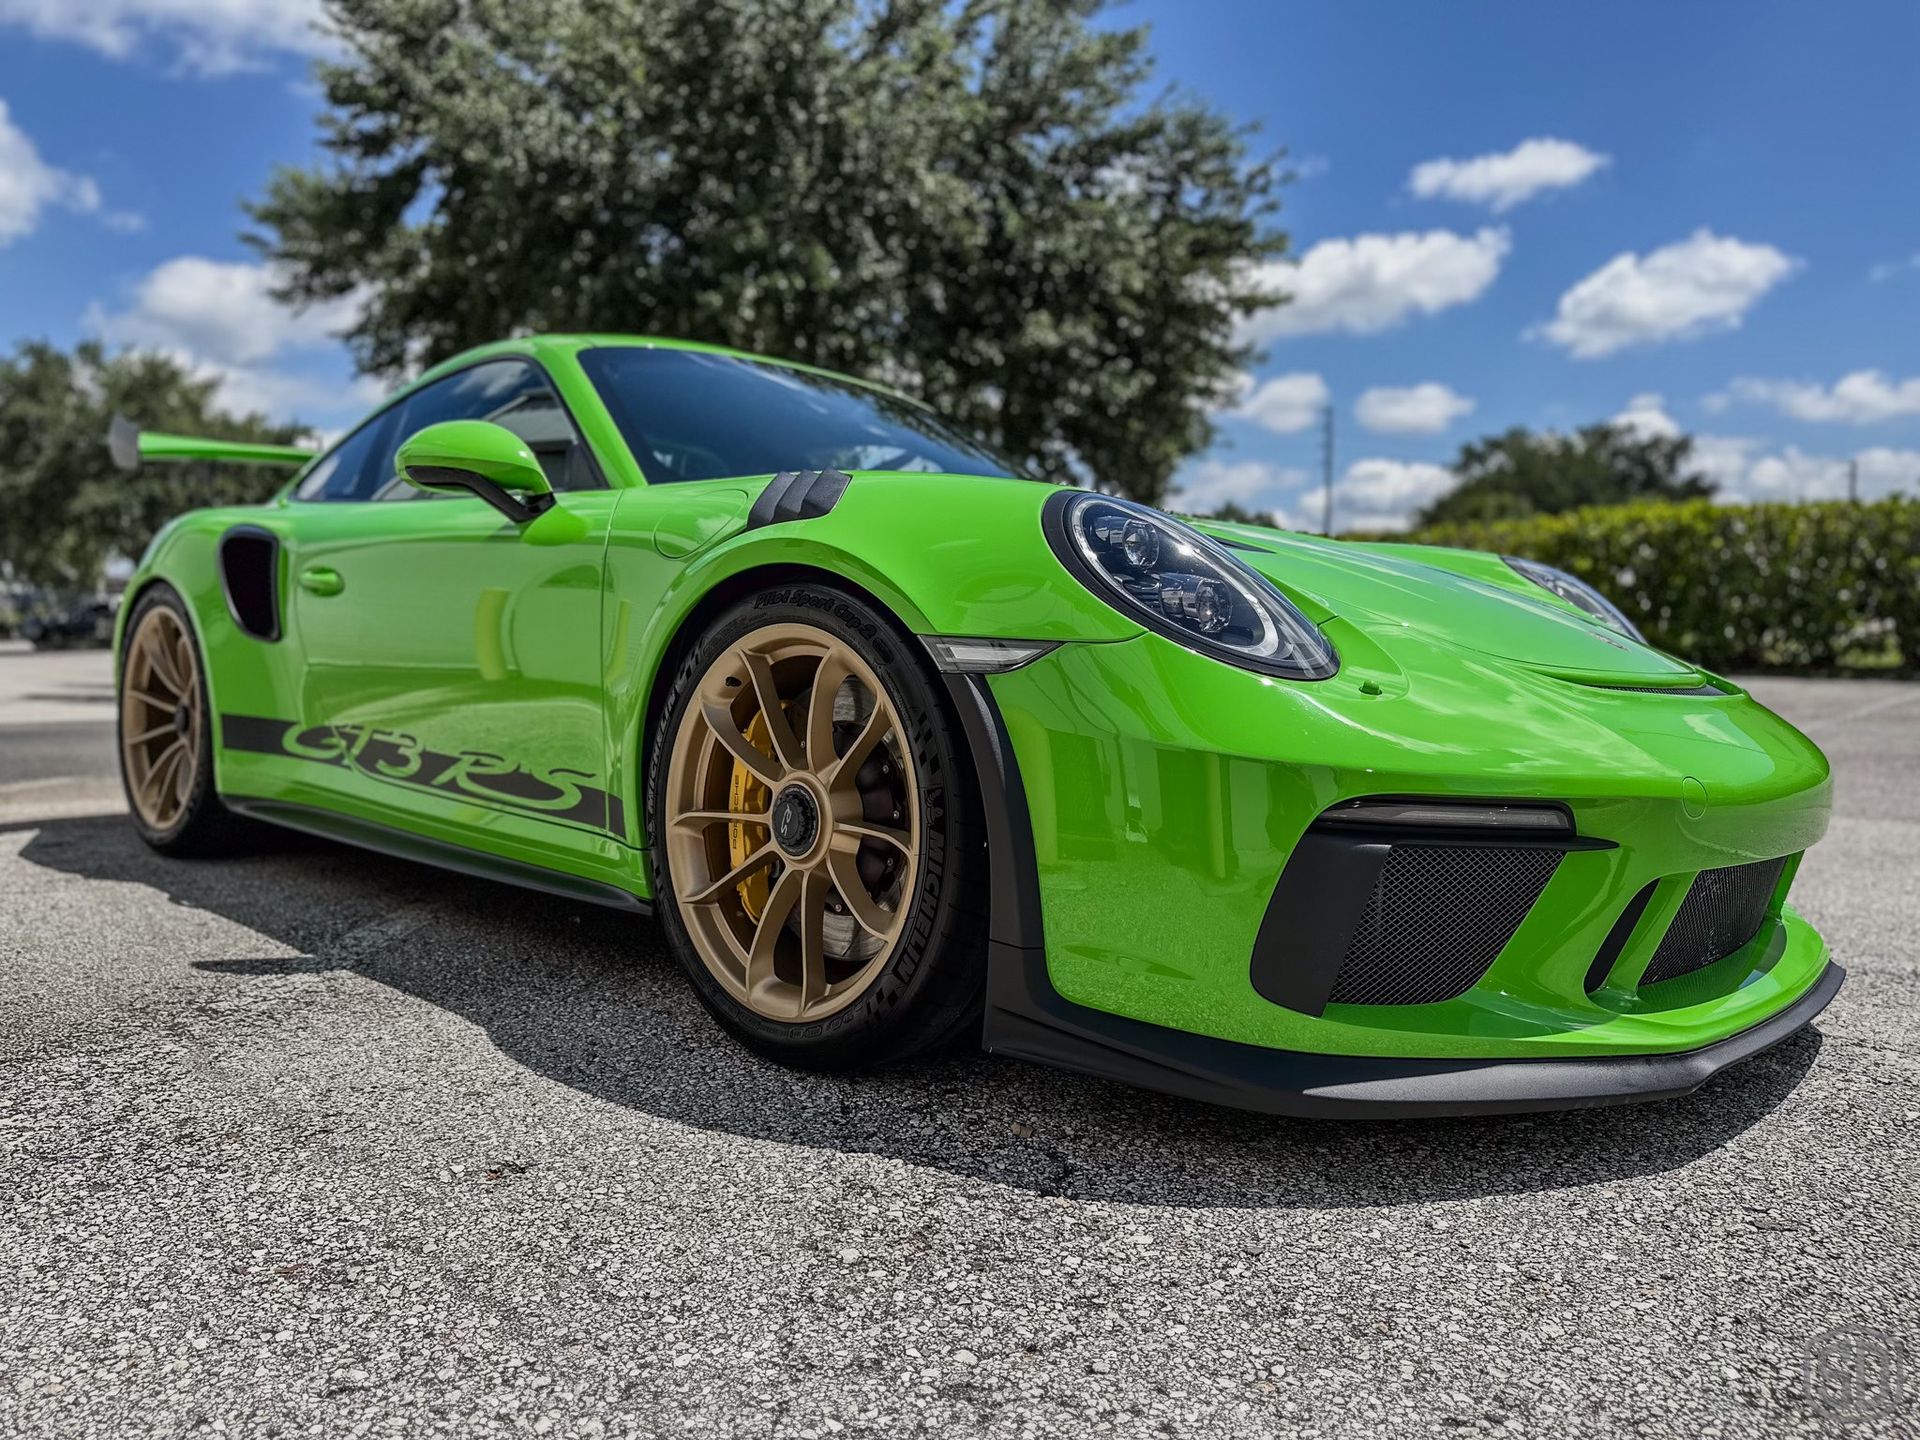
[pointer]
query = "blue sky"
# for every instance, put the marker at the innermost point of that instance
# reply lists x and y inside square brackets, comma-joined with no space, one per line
[1701,215]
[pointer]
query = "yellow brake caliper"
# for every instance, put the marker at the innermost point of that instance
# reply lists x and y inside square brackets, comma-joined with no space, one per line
[746,792]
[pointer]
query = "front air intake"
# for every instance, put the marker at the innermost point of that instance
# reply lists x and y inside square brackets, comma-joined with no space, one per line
[1724,909]
[1437,919]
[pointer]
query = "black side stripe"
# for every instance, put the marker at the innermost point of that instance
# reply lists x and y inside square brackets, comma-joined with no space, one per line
[798,495]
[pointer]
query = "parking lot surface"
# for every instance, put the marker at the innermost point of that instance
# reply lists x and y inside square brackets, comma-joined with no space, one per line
[319,1143]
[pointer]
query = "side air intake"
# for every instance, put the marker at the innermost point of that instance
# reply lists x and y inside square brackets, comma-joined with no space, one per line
[250,578]
[1724,909]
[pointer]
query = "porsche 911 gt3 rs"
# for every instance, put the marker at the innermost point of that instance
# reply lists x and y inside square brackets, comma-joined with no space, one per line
[904,750]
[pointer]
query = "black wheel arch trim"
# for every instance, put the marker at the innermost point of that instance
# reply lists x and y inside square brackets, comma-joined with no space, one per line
[1026,1018]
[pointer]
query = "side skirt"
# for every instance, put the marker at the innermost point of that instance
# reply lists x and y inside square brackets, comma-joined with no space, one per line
[404,845]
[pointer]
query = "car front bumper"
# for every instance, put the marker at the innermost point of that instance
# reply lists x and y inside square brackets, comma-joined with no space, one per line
[1152,802]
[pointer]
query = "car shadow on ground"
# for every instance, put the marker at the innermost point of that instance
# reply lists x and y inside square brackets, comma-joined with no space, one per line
[590,999]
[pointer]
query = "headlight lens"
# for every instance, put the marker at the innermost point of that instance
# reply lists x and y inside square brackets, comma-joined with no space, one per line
[1180,584]
[1577,592]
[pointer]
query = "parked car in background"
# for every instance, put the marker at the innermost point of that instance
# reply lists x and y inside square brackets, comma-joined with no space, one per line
[82,622]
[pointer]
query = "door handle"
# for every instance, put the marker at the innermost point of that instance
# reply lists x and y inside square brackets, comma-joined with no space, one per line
[321,580]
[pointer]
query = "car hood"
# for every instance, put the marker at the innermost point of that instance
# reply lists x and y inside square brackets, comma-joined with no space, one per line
[1457,598]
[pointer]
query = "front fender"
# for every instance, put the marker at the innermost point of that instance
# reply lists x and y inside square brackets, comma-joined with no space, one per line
[946,554]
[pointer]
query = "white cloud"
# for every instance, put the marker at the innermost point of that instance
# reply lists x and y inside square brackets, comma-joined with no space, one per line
[1286,404]
[28,185]
[1377,494]
[210,37]
[1704,283]
[1892,268]
[1503,181]
[1862,398]
[220,320]
[1746,473]
[223,311]
[1646,415]
[1371,283]
[1423,409]
[1744,468]
[1205,485]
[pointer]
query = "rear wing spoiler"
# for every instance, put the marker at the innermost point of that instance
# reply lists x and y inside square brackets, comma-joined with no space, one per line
[129,445]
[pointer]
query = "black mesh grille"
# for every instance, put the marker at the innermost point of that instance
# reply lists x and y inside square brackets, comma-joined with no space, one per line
[1438,917]
[1724,909]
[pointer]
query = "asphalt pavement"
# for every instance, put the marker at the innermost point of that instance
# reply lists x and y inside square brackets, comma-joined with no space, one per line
[319,1143]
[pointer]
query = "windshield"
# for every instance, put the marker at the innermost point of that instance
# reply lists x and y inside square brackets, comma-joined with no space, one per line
[692,416]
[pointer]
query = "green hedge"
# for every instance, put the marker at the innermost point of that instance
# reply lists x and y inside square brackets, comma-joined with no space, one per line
[1740,586]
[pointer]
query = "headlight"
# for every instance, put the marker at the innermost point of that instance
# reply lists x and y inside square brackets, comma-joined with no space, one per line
[1180,584]
[1576,592]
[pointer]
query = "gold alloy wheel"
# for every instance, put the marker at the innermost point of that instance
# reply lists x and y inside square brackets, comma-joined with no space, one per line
[160,718]
[793,822]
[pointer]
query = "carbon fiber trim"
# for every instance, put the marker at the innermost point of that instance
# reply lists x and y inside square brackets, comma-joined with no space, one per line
[798,495]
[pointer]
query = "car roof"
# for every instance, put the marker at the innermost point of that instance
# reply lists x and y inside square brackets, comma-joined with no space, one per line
[574,342]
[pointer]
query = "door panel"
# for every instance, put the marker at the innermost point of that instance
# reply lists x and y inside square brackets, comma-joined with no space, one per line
[451,674]
[452,658]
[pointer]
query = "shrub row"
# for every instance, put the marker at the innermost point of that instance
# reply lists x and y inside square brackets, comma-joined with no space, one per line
[1739,586]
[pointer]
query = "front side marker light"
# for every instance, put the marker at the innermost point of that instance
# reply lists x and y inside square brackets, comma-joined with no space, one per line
[1536,819]
[967,656]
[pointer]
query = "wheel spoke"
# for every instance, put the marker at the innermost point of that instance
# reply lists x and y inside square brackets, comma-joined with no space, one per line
[698,820]
[827,680]
[183,661]
[160,662]
[846,879]
[786,745]
[786,893]
[720,721]
[710,894]
[164,728]
[154,788]
[879,722]
[183,777]
[147,697]
[813,943]
[847,834]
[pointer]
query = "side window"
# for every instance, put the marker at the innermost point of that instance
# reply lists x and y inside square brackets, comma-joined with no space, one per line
[511,393]
[348,472]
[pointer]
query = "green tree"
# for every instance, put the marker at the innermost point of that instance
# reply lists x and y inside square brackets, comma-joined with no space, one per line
[1232,512]
[64,509]
[1521,473]
[977,201]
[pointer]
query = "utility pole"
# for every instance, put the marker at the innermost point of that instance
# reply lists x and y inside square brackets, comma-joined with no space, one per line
[1326,468]
[1853,481]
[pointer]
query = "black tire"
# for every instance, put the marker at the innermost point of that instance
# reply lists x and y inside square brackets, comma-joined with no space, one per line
[928,994]
[204,826]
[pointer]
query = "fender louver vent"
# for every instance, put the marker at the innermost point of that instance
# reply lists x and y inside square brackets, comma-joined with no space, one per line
[1713,690]
[250,578]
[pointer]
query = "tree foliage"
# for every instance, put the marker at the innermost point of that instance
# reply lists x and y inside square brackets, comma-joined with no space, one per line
[1738,587]
[976,201]
[64,509]
[1523,472]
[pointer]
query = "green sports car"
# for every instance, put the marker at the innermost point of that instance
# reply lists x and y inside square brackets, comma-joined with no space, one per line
[905,750]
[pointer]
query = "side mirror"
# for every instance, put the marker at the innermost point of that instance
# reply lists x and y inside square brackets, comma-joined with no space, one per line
[477,457]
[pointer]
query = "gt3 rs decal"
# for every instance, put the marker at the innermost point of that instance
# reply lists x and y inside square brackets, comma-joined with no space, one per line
[398,757]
